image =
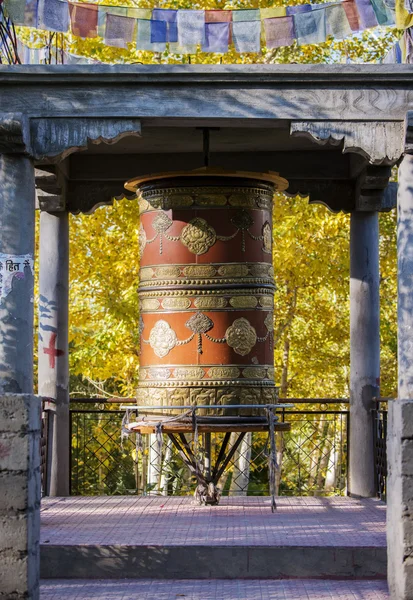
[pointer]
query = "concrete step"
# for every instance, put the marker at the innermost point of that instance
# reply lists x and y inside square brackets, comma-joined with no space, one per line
[241,589]
[220,562]
[171,538]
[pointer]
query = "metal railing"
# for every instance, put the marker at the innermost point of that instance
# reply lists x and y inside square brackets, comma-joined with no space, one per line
[312,456]
[48,410]
[380,447]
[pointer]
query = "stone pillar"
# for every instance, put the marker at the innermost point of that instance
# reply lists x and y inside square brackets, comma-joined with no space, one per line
[53,341]
[20,421]
[400,426]
[17,193]
[19,411]
[364,349]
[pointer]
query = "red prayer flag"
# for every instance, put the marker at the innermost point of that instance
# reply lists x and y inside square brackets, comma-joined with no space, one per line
[84,19]
[352,14]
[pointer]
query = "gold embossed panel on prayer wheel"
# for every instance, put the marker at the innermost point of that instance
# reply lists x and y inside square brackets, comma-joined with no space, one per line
[206,288]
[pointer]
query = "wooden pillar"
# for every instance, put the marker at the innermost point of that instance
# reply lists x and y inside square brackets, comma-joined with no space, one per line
[53,341]
[400,425]
[364,349]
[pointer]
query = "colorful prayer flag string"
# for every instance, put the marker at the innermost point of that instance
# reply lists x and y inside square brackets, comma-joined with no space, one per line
[184,31]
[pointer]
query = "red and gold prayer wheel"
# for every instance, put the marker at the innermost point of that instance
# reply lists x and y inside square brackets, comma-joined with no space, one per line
[206,288]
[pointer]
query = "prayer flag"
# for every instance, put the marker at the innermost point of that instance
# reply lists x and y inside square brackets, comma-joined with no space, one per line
[384,15]
[191,27]
[310,27]
[170,16]
[337,23]
[53,15]
[101,21]
[279,32]
[218,16]
[84,20]
[103,11]
[31,13]
[144,35]
[16,9]
[403,18]
[408,36]
[393,56]
[247,35]
[366,13]
[158,32]
[138,13]
[271,13]
[216,37]
[119,31]
[246,15]
[300,8]
[352,14]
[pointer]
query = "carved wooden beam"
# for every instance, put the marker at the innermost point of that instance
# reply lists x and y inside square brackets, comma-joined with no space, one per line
[56,138]
[380,142]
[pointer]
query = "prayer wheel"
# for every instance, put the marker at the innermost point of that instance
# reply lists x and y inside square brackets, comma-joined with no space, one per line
[206,288]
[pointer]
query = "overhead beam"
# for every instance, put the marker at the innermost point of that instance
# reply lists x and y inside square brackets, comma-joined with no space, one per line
[322,164]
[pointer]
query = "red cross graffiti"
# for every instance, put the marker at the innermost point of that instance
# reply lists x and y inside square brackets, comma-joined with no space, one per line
[52,351]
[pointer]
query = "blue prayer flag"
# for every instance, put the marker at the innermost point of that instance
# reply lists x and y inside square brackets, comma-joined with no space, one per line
[170,16]
[144,37]
[300,8]
[310,27]
[216,37]
[367,15]
[53,15]
[158,32]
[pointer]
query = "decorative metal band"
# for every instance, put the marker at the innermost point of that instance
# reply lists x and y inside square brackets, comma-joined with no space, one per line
[178,396]
[188,375]
[241,336]
[216,300]
[213,274]
[198,236]
[205,197]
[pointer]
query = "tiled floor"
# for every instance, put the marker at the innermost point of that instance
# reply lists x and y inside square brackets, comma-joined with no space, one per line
[133,520]
[147,589]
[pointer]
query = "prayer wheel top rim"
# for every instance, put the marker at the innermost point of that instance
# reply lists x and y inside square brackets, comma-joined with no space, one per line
[280,184]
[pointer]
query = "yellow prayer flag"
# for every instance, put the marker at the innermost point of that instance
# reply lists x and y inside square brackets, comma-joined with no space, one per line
[270,13]
[403,18]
